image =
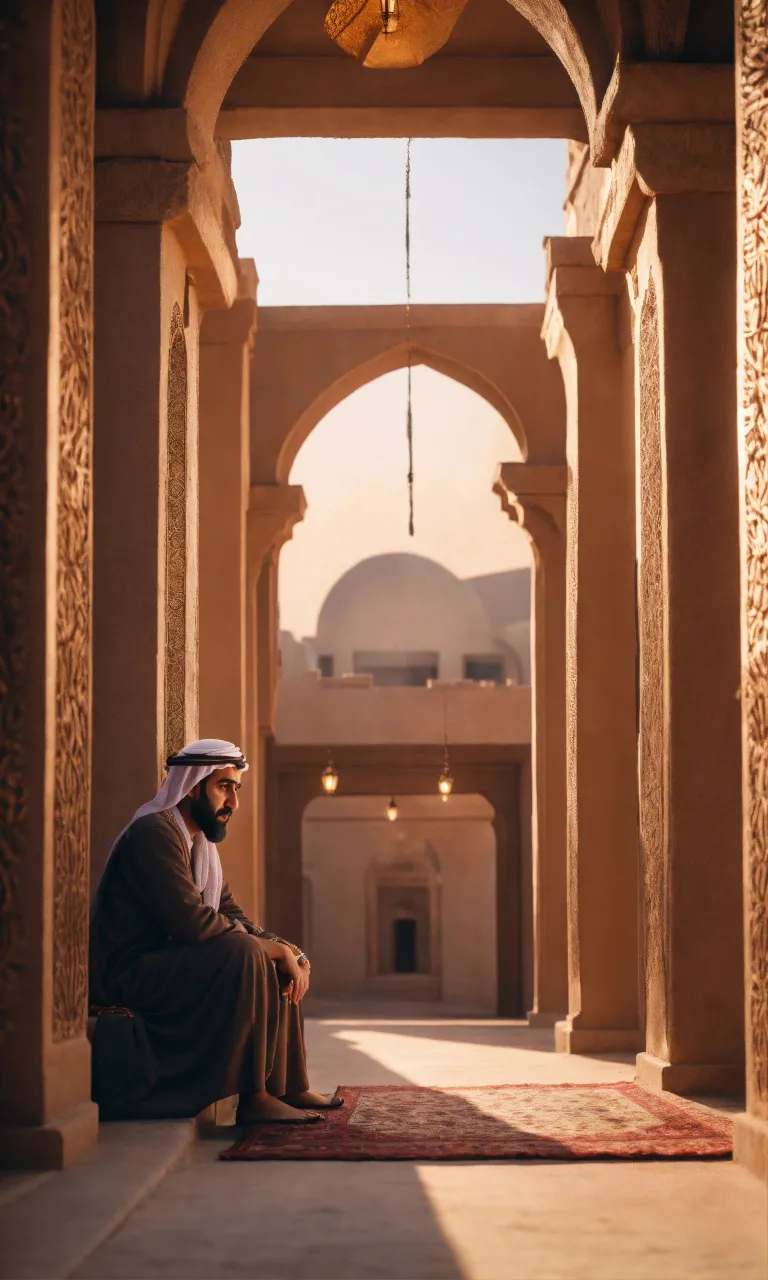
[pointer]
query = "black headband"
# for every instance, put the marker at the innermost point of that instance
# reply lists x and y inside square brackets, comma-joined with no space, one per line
[236,762]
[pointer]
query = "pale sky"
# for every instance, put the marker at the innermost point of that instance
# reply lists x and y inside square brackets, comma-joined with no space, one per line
[324,220]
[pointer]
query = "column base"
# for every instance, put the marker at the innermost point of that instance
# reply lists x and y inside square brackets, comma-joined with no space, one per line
[55,1145]
[536,1019]
[750,1144]
[721,1078]
[570,1039]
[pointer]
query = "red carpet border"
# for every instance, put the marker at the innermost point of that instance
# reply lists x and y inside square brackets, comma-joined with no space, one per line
[498,1122]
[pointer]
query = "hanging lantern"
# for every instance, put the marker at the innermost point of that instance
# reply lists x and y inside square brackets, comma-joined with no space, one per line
[392,810]
[330,778]
[390,16]
[445,781]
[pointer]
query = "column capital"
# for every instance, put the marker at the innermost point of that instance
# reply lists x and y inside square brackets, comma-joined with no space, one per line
[657,160]
[661,92]
[232,327]
[575,282]
[533,496]
[273,512]
[192,200]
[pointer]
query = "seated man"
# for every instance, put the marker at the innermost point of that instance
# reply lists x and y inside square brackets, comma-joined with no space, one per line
[169,942]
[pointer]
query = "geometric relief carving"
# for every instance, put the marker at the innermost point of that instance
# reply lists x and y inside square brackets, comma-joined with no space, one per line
[176,541]
[753,162]
[72,768]
[14,514]
[652,628]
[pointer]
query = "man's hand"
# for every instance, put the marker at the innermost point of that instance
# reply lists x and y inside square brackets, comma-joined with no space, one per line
[299,974]
[239,927]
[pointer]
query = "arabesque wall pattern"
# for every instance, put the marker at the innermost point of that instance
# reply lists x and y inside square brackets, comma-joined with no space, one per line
[176,540]
[72,778]
[753,161]
[652,743]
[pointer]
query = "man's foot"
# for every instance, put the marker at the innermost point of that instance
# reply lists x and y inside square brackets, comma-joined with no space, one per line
[262,1108]
[309,1099]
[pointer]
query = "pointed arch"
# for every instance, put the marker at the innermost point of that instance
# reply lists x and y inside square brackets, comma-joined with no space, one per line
[396,357]
[215,37]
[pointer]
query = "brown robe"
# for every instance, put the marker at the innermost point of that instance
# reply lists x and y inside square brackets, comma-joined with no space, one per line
[208,994]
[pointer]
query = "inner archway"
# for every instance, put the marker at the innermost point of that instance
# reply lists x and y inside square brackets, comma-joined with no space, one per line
[403,910]
[352,469]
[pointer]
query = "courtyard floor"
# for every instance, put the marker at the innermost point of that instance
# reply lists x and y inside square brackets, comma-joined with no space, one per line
[150,1202]
[517,1221]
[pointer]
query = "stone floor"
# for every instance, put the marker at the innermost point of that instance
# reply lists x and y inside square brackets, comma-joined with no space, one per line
[519,1221]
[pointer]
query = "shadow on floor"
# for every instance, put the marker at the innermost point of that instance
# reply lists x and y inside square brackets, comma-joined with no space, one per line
[306,1221]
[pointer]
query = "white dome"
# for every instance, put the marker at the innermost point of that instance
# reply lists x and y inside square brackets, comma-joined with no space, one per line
[401,603]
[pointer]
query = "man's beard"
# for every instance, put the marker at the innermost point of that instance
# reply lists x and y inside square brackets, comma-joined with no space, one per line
[207,818]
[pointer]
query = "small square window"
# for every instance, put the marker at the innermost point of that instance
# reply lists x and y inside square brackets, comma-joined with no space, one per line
[486,667]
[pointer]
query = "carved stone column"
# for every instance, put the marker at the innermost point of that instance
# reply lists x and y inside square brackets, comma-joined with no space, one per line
[751,1133]
[47,1119]
[582,331]
[684,276]
[225,344]
[151,286]
[274,511]
[534,496]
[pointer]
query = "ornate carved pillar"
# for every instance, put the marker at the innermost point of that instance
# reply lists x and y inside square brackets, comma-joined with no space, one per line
[150,288]
[682,271]
[534,496]
[274,511]
[225,343]
[582,329]
[751,1133]
[47,1119]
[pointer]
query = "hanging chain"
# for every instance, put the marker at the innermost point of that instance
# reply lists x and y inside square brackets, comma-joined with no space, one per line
[409,414]
[445,725]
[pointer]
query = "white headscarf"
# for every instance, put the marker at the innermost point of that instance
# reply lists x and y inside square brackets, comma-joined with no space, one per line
[178,782]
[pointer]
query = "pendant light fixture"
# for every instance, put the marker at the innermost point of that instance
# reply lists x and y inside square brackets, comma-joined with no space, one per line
[330,778]
[445,781]
[390,16]
[392,810]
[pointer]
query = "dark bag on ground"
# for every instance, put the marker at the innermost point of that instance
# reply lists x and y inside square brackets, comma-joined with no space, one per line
[123,1066]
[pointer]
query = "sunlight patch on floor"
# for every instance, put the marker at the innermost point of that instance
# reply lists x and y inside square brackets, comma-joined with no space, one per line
[455,1059]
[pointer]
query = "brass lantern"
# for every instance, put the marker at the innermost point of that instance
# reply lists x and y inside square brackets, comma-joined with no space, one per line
[330,778]
[445,781]
[390,16]
[392,810]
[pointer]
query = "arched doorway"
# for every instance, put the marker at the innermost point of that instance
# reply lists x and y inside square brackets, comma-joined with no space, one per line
[494,774]
[404,909]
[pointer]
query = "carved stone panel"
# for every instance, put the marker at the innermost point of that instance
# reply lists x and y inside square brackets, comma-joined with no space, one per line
[651,625]
[14,515]
[753,162]
[176,540]
[72,777]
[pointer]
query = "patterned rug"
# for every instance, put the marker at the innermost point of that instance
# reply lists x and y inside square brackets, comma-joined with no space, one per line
[498,1122]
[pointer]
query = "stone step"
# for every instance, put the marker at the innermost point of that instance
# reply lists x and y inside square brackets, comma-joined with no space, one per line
[49,1224]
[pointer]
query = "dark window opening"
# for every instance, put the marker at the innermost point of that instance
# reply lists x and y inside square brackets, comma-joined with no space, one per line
[325,664]
[489,669]
[405,945]
[393,669]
